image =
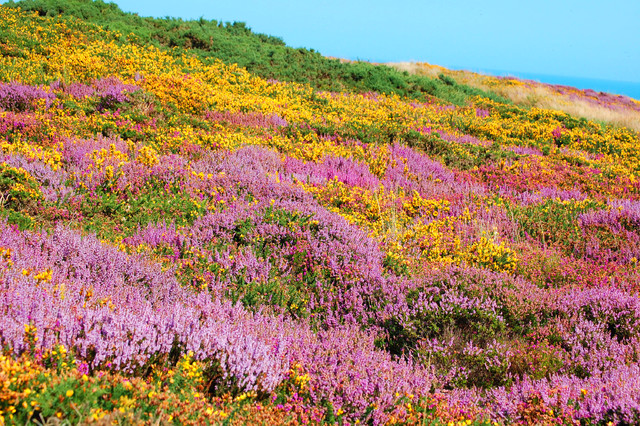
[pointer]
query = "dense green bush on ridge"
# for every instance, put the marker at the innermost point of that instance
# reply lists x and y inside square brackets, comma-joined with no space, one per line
[263,55]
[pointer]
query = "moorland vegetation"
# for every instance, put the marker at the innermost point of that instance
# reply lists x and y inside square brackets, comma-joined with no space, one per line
[188,237]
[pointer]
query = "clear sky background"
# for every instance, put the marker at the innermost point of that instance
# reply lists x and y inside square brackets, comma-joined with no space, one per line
[576,38]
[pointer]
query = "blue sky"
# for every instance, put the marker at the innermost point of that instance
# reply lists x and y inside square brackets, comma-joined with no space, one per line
[577,38]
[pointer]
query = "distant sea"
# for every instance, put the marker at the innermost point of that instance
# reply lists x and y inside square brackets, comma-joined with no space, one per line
[626,88]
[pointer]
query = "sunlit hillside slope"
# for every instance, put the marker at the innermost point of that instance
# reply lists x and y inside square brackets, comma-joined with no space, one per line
[185,242]
[616,109]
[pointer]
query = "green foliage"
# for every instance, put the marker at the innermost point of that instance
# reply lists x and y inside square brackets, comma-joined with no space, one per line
[21,220]
[290,294]
[18,194]
[461,156]
[395,265]
[469,321]
[262,55]
[554,222]
[17,187]
[106,210]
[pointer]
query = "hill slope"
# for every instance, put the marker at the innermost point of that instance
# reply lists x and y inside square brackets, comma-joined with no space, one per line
[186,242]
[262,55]
[615,109]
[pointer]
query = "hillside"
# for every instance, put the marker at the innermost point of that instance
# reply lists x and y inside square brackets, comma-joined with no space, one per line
[262,55]
[184,241]
[616,109]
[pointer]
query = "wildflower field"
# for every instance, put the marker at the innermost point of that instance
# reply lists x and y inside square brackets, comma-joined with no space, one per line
[185,242]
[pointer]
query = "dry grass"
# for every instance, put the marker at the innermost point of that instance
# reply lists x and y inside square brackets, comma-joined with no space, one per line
[626,117]
[532,94]
[419,68]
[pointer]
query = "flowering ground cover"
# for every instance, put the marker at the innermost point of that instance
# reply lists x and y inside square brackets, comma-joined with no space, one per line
[185,242]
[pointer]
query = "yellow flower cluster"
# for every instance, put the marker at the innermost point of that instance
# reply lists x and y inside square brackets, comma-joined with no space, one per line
[416,205]
[16,377]
[49,155]
[190,367]
[100,156]
[487,253]
[618,145]
[18,184]
[5,255]
[147,156]
[437,240]
[298,376]
[44,275]
[403,223]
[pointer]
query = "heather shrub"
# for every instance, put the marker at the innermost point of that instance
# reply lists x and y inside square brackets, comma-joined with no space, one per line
[15,96]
